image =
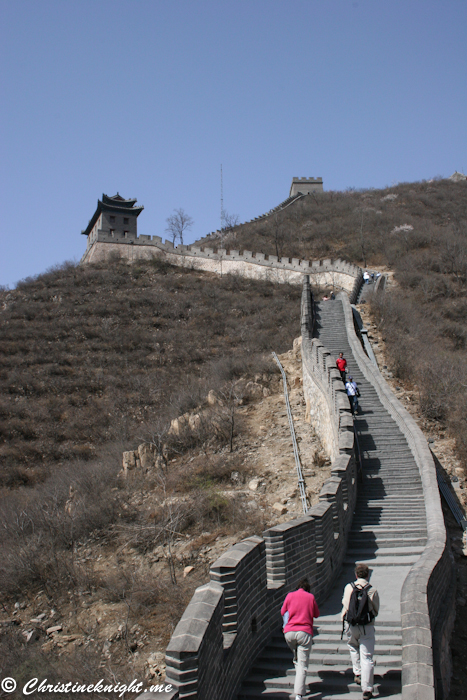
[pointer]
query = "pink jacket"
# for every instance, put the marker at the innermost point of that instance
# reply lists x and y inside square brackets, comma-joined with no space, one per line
[302,608]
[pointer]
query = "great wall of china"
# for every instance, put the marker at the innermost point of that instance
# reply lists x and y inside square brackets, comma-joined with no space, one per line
[381,505]
[337,274]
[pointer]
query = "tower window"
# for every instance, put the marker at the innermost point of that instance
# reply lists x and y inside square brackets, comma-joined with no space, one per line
[126,221]
[112,219]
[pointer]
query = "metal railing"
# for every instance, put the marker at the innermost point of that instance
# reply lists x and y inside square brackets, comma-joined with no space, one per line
[450,500]
[359,454]
[298,465]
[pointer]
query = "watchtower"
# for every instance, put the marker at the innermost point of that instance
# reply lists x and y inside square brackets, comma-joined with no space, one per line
[305,185]
[114,217]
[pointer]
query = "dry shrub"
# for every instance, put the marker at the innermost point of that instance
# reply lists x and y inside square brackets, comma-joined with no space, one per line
[41,525]
[81,665]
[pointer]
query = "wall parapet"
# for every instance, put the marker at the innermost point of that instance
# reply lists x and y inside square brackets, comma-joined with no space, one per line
[305,266]
[283,205]
[427,598]
[231,618]
[335,273]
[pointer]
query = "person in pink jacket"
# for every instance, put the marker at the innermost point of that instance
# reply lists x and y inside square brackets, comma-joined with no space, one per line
[298,611]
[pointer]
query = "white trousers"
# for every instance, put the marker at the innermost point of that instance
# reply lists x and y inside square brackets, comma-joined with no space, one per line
[361,643]
[300,644]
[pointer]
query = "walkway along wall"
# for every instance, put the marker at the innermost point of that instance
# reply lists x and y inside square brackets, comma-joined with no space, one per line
[326,273]
[231,618]
[428,593]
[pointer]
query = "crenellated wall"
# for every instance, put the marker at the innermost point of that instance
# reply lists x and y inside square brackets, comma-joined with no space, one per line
[338,274]
[231,618]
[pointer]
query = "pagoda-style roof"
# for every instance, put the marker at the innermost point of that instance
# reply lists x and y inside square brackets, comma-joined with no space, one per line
[118,201]
[116,204]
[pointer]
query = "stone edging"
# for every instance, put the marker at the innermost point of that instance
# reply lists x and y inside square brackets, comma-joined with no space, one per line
[429,583]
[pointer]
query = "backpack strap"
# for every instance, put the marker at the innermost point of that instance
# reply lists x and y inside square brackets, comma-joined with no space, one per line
[343,619]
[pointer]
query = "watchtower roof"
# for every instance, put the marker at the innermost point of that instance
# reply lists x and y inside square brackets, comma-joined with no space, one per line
[115,204]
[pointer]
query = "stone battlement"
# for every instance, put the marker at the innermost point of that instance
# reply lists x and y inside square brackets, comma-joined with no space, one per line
[327,273]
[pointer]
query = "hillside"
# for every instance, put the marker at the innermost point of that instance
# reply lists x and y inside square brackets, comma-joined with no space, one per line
[358,225]
[94,355]
[97,361]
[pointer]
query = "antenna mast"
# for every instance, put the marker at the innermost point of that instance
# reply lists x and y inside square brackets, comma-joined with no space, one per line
[222,215]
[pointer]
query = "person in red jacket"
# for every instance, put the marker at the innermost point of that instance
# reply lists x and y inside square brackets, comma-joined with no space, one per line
[341,363]
[298,611]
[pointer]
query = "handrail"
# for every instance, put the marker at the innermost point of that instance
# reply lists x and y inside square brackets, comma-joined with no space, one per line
[359,454]
[448,497]
[301,483]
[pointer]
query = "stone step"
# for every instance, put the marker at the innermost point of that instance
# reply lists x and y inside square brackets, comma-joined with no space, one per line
[389,656]
[277,694]
[383,561]
[334,628]
[383,543]
[335,680]
[383,521]
[369,554]
[370,488]
[388,472]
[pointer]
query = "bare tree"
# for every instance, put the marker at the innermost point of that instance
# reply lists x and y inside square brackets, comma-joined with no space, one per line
[278,233]
[231,397]
[177,224]
[229,220]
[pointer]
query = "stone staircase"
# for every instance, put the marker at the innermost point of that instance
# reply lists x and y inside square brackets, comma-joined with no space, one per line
[388,533]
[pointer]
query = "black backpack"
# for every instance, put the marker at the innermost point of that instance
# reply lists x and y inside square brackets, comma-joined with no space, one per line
[359,612]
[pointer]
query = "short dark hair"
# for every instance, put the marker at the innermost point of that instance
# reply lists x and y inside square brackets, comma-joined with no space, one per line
[305,584]
[362,571]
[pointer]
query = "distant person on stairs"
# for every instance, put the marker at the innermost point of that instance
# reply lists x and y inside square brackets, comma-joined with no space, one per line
[341,363]
[353,393]
[300,608]
[360,606]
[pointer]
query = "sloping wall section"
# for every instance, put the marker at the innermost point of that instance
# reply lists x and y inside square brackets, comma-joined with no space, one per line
[231,618]
[428,593]
[337,274]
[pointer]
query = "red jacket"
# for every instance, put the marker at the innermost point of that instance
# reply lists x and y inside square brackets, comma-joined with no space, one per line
[302,608]
[341,363]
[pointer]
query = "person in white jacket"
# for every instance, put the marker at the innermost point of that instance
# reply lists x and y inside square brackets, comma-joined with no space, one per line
[353,393]
[361,637]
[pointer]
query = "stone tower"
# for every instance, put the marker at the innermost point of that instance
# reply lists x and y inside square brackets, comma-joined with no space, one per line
[305,185]
[114,218]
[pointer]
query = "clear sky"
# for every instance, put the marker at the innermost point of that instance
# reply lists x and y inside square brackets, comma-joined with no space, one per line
[149,97]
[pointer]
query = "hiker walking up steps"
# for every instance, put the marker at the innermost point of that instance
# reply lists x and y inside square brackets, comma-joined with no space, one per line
[298,610]
[341,363]
[360,606]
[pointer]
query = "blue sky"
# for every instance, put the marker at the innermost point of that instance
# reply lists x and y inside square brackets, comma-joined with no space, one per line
[149,97]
